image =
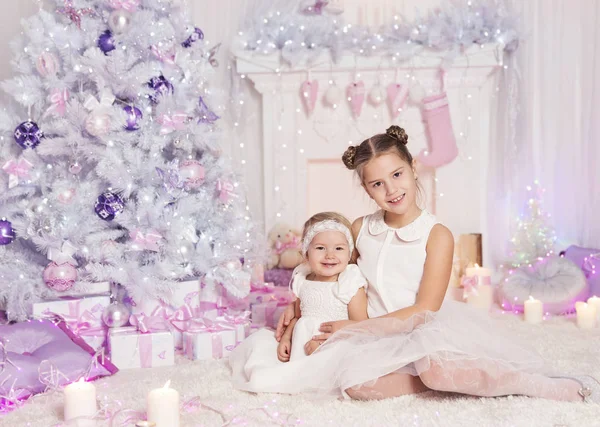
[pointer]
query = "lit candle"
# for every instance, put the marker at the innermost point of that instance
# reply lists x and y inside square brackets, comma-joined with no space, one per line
[533,310]
[163,406]
[595,302]
[80,401]
[586,315]
[483,294]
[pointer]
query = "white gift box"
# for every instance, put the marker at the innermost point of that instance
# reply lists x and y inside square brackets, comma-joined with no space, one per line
[130,348]
[209,345]
[89,289]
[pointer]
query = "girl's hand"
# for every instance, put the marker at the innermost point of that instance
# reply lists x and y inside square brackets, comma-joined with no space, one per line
[284,321]
[284,350]
[329,328]
[311,346]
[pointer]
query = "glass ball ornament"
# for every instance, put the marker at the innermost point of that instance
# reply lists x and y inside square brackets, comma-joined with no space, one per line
[108,206]
[47,64]
[97,123]
[106,43]
[28,134]
[376,95]
[333,95]
[74,168]
[196,34]
[60,277]
[134,115]
[416,93]
[116,315]
[161,87]
[119,21]
[66,196]
[7,234]
[192,172]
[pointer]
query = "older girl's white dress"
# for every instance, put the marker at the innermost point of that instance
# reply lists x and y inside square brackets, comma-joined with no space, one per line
[254,363]
[458,335]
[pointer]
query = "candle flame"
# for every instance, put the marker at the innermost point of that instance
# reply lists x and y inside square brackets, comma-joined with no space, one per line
[81,380]
[476,265]
[167,384]
[531,298]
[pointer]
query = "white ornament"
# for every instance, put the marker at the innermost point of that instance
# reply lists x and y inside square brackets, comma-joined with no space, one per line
[119,20]
[376,95]
[333,95]
[416,93]
[97,123]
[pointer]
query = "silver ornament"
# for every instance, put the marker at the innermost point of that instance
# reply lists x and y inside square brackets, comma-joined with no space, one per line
[116,315]
[376,95]
[119,20]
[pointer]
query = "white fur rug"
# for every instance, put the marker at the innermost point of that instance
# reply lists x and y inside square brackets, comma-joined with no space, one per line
[572,350]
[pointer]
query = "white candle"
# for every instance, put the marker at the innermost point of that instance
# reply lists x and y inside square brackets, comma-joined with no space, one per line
[595,302]
[80,401]
[533,310]
[163,406]
[586,315]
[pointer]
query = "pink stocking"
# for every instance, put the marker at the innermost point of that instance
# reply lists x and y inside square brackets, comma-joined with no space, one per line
[440,136]
[490,379]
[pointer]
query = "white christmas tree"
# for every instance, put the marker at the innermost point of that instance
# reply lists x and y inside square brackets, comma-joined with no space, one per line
[111,159]
[534,237]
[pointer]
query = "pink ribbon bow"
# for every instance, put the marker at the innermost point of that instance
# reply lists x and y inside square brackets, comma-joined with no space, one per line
[84,323]
[261,288]
[141,241]
[470,284]
[237,319]
[282,247]
[166,57]
[58,98]
[172,123]
[146,324]
[17,169]
[128,5]
[74,14]
[226,190]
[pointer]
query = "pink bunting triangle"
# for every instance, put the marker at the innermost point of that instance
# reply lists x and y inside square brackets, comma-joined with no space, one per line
[396,97]
[308,92]
[356,97]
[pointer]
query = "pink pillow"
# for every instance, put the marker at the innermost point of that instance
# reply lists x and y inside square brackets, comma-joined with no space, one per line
[24,346]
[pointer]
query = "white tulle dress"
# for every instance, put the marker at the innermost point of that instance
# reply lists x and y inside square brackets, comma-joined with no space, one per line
[458,336]
[254,363]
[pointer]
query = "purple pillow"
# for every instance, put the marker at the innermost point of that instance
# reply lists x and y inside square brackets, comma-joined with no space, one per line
[24,346]
[591,266]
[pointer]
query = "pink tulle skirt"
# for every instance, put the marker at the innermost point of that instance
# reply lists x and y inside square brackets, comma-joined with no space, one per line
[457,335]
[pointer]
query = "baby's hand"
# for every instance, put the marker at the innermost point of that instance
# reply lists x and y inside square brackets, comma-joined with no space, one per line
[284,320]
[311,346]
[283,350]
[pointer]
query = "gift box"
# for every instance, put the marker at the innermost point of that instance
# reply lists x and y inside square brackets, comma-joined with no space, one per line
[209,340]
[268,292]
[268,313]
[82,315]
[88,289]
[279,276]
[240,321]
[131,348]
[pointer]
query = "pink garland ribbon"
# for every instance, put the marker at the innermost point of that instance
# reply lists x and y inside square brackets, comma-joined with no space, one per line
[74,14]
[141,241]
[17,168]
[172,123]
[58,99]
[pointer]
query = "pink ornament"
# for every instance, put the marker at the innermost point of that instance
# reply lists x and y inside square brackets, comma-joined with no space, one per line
[97,123]
[58,99]
[309,91]
[226,191]
[441,143]
[66,196]
[396,97]
[47,64]
[128,5]
[61,277]
[192,172]
[75,168]
[356,97]
[16,169]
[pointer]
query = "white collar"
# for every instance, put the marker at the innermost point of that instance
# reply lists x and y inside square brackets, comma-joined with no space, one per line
[409,233]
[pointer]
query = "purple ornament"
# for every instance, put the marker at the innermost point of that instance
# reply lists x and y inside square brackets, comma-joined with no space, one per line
[106,43]
[206,114]
[108,206]
[134,114]
[161,86]
[197,34]
[7,234]
[28,134]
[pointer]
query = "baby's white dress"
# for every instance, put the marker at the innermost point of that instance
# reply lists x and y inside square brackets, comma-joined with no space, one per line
[254,363]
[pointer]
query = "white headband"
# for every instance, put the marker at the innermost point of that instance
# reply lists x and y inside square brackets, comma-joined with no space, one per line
[327,225]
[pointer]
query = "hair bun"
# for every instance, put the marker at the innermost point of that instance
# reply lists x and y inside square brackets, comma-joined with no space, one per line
[348,157]
[398,134]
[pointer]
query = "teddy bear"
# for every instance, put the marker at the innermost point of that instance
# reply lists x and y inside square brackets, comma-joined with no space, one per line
[285,247]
